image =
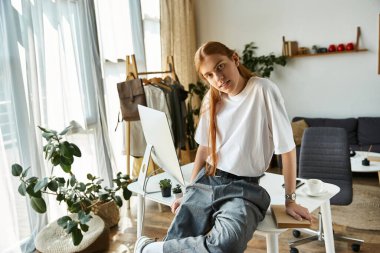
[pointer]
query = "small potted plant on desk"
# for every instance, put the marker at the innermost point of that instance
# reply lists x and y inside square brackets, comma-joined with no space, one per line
[177,191]
[166,187]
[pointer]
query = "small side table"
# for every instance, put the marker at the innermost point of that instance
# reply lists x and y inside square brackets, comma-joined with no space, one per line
[356,163]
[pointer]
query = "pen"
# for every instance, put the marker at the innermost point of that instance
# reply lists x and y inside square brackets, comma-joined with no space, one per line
[298,183]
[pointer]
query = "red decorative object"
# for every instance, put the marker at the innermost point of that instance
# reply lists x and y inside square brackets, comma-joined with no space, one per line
[340,47]
[332,48]
[350,46]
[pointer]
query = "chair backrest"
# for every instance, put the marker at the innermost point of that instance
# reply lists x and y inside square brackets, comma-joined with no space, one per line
[325,155]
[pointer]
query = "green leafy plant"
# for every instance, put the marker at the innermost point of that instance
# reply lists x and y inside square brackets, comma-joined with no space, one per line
[177,189]
[165,183]
[261,65]
[80,197]
[195,90]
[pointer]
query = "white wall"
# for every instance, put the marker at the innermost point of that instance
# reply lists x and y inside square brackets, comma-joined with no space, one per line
[337,86]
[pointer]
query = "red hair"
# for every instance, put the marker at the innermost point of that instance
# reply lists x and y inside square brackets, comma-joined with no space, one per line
[212,48]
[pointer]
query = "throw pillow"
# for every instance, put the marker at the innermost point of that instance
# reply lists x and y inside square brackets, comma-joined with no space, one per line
[298,128]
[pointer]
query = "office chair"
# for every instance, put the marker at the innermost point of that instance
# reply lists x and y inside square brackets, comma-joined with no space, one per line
[325,155]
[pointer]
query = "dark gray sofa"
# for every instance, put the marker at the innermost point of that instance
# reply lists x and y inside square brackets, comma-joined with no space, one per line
[362,132]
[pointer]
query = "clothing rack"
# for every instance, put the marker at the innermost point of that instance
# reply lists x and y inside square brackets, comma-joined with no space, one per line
[132,73]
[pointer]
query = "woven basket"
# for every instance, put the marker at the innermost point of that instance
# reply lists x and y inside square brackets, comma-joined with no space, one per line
[108,211]
[54,239]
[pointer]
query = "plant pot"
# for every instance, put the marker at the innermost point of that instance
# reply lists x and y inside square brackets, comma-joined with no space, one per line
[108,211]
[188,156]
[53,238]
[166,192]
[178,195]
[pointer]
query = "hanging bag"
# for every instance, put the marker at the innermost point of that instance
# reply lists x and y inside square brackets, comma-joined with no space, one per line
[131,94]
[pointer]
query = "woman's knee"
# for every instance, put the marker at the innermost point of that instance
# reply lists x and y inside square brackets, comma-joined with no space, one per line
[230,237]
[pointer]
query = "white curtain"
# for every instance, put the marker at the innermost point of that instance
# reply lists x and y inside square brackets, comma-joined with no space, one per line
[150,14]
[114,28]
[6,195]
[50,75]
[120,32]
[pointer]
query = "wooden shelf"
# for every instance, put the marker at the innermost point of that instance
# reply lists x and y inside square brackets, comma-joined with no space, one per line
[290,48]
[329,53]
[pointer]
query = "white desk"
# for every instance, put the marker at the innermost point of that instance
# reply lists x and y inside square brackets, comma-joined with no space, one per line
[356,163]
[272,183]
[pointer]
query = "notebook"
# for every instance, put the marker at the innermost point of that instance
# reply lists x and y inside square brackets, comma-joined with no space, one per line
[283,220]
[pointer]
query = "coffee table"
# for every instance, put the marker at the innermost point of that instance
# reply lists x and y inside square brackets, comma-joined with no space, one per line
[356,163]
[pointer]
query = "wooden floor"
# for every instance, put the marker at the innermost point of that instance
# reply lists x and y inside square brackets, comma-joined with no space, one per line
[156,224]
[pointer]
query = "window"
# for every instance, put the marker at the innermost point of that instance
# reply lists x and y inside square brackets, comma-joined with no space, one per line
[151,21]
[115,38]
[49,76]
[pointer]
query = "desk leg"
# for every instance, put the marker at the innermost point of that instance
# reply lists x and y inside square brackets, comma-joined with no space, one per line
[272,242]
[140,214]
[327,227]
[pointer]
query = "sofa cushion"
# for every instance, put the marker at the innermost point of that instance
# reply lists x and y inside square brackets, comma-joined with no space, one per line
[298,128]
[349,124]
[368,130]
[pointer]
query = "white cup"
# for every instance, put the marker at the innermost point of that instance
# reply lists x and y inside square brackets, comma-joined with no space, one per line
[314,186]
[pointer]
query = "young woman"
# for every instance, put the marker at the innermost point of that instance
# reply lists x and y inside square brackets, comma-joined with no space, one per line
[243,122]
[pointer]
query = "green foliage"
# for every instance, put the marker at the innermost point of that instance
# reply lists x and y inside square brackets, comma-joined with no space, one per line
[177,189]
[261,65]
[79,197]
[57,151]
[199,89]
[165,183]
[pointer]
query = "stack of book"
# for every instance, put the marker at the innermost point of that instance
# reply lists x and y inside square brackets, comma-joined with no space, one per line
[289,48]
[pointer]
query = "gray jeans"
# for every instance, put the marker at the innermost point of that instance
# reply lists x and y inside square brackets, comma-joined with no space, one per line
[217,214]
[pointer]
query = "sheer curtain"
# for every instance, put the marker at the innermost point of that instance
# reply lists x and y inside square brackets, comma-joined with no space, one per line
[50,75]
[121,33]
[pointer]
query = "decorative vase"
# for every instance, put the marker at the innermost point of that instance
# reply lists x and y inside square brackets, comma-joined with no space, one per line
[188,156]
[108,211]
[365,162]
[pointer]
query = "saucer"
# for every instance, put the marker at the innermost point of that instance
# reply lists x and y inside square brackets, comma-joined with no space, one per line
[319,194]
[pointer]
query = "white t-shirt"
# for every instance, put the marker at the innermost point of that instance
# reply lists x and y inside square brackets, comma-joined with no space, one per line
[252,125]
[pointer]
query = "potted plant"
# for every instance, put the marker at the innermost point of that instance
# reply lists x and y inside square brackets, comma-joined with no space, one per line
[177,191]
[166,187]
[196,92]
[261,65]
[81,198]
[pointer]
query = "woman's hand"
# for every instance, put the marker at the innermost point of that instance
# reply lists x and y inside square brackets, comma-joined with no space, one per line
[298,212]
[175,205]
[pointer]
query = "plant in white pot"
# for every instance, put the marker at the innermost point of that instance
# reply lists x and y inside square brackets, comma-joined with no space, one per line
[177,191]
[81,198]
